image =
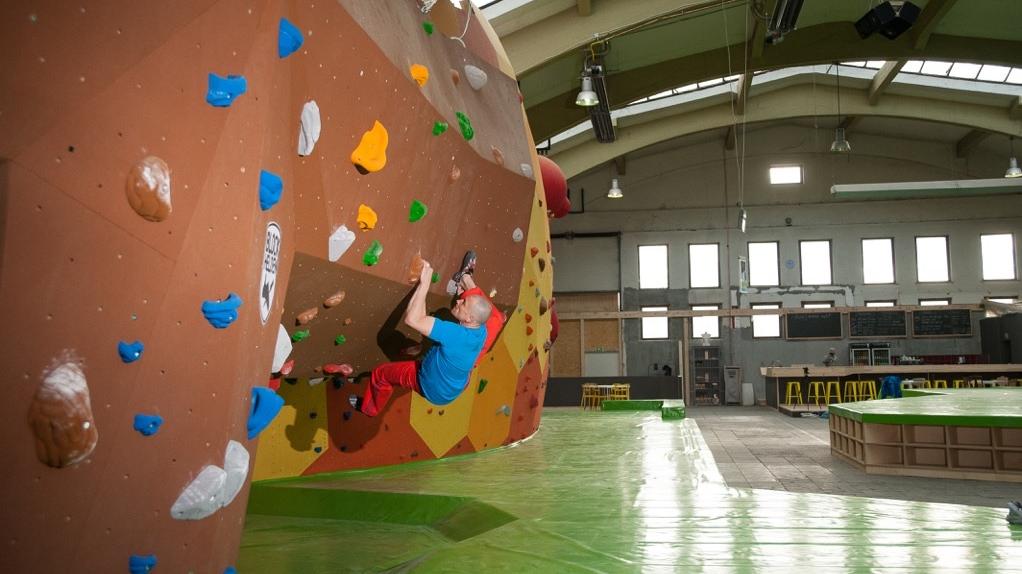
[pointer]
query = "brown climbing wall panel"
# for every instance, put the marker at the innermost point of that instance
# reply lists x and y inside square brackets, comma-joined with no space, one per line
[87,95]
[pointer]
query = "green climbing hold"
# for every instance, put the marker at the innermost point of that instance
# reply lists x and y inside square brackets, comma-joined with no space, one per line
[372,254]
[339,340]
[439,128]
[482,384]
[466,126]
[417,211]
[435,278]
[428,27]
[300,335]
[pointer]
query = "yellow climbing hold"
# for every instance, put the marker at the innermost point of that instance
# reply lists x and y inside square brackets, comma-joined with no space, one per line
[366,217]
[420,74]
[371,153]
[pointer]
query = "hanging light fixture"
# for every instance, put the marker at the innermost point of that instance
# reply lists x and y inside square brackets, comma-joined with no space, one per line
[840,144]
[587,97]
[1013,169]
[615,190]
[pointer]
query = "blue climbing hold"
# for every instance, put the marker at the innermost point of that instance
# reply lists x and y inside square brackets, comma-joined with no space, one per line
[289,38]
[230,570]
[265,406]
[139,564]
[221,314]
[148,424]
[130,352]
[222,91]
[270,188]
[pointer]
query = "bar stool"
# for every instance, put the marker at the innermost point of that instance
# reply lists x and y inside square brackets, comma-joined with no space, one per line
[959,383]
[794,391]
[620,392]
[867,390]
[590,396]
[939,384]
[926,384]
[851,390]
[816,391]
[836,386]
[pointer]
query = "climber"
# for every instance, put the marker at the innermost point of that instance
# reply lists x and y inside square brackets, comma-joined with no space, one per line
[443,373]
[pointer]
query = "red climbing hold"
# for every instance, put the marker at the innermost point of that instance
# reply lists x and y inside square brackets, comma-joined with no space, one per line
[528,330]
[287,367]
[343,369]
[534,251]
[274,384]
[532,283]
[555,188]
[528,318]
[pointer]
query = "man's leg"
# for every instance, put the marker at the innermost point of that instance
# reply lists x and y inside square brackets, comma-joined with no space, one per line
[382,381]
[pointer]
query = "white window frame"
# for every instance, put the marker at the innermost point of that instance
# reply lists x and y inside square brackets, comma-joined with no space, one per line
[882,303]
[1005,300]
[766,321]
[752,263]
[817,304]
[985,258]
[890,244]
[802,262]
[666,262]
[660,324]
[947,260]
[780,174]
[692,265]
[707,322]
[935,302]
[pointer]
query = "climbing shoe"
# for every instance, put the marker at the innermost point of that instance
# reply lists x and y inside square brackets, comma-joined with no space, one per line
[468,266]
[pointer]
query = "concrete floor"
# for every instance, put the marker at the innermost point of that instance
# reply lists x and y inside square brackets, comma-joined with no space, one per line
[756,447]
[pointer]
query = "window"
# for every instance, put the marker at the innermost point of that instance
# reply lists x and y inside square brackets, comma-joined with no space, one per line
[932,264]
[880,303]
[763,264]
[652,267]
[817,304]
[702,325]
[815,262]
[785,174]
[877,261]
[654,327]
[998,256]
[766,325]
[1002,299]
[934,302]
[703,265]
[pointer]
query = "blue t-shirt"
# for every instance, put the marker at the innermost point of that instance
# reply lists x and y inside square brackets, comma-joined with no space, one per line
[445,369]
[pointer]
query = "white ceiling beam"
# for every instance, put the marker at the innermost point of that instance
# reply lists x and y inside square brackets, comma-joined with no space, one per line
[882,80]
[585,7]
[928,19]
[969,141]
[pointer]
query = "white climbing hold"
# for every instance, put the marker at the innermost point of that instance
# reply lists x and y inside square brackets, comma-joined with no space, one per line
[526,169]
[282,350]
[236,460]
[308,132]
[203,496]
[316,381]
[340,241]
[517,235]
[476,77]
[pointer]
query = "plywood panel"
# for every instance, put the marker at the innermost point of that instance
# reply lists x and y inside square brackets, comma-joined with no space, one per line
[602,335]
[580,302]
[566,353]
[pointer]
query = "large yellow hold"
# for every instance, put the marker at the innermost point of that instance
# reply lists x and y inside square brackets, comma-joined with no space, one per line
[371,153]
[420,74]
[366,217]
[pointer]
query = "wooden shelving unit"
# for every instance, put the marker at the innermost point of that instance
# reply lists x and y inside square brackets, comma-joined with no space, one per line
[978,453]
[707,375]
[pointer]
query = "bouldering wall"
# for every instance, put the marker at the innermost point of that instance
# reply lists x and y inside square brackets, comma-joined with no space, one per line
[183,188]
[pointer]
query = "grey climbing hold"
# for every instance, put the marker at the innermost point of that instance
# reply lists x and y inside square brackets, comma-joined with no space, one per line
[340,240]
[308,131]
[476,77]
[517,235]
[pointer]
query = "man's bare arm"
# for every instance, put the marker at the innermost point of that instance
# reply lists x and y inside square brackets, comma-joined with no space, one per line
[415,315]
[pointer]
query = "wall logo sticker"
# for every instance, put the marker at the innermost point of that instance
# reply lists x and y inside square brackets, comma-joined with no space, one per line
[271,254]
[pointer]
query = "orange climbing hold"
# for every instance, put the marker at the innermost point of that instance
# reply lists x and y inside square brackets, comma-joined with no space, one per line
[334,300]
[420,74]
[528,330]
[307,315]
[498,156]
[371,153]
[534,251]
[455,174]
[415,268]
[366,217]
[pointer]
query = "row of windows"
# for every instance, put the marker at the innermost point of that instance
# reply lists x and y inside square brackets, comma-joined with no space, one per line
[763,325]
[933,262]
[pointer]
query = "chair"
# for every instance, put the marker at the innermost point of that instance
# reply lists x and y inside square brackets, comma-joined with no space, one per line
[590,396]
[620,392]
[959,383]
[867,390]
[851,390]
[836,386]
[794,391]
[815,391]
[939,383]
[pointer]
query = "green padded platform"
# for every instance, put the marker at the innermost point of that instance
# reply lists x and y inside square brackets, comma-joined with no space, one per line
[672,413]
[644,405]
[994,407]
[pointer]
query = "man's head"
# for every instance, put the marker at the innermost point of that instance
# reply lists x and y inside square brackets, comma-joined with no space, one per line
[472,311]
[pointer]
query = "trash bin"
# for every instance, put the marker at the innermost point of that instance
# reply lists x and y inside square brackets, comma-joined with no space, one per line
[748,395]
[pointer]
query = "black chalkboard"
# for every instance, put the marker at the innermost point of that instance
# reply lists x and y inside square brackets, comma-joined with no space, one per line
[942,322]
[813,325]
[877,324]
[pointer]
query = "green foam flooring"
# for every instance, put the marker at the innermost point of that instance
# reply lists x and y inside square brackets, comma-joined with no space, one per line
[624,494]
[637,405]
[994,407]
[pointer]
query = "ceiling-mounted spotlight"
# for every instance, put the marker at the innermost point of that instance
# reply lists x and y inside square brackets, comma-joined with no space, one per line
[615,190]
[1013,170]
[743,217]
[782,20]
[587,97]
[840,144]
[889,19]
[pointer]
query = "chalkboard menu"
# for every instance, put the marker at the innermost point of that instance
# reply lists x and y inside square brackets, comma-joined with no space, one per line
[938,323]
[877,324]
[813,325]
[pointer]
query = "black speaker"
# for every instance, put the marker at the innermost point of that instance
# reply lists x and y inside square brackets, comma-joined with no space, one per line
[887,20]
